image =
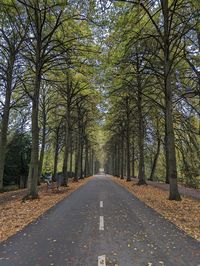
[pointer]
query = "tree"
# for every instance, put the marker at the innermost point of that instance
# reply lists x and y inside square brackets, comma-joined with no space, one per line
[12,35]
[39,54]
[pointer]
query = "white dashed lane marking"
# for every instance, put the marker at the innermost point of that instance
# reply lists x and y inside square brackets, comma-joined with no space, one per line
[102,258]
[101,223]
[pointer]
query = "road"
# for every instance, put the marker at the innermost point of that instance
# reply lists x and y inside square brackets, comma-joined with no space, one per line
[100,219]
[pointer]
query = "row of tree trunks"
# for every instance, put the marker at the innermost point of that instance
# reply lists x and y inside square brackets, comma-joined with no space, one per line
[119,164]
[83,167]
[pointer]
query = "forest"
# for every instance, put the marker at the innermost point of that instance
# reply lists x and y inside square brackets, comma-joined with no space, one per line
[99,84]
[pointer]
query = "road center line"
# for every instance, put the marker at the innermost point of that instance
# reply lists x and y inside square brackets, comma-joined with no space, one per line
[101,204]
[102,260]
[101,223]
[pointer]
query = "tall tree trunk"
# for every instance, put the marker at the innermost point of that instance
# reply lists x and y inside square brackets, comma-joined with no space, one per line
[153,169]
[115,160]
[133,158]
[92,161]
[66,155]
[81,161]
[86,158]
[169,128]
[67,145]
[198,37]
[118,160]
[42,148]
[56,154]
[113,163]
[5,120]
[122,158]
[77,159]
[141,174]
[128,175]
[170,147]
[33,169]
[71,159]
[166,162]
[125,156]
[3,137]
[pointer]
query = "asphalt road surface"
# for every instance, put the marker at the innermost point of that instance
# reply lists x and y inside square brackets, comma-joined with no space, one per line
[100,224]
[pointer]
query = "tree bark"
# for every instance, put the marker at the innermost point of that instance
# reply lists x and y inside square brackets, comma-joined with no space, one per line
[118,159]
[115,160]
[122,158]
[66,153]
[71,159]
[56,152]
[5,119]
[3,140]
[128,175]
[133,158]
[92,161]
[42,148]
[141,174]
[81,161]
[77,160]
[86,158]
[153,169]
[33,169]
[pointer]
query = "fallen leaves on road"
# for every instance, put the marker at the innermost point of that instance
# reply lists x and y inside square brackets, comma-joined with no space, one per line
[15,214]
[185,214]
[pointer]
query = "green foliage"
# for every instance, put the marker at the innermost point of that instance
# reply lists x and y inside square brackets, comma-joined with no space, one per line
[17,158]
